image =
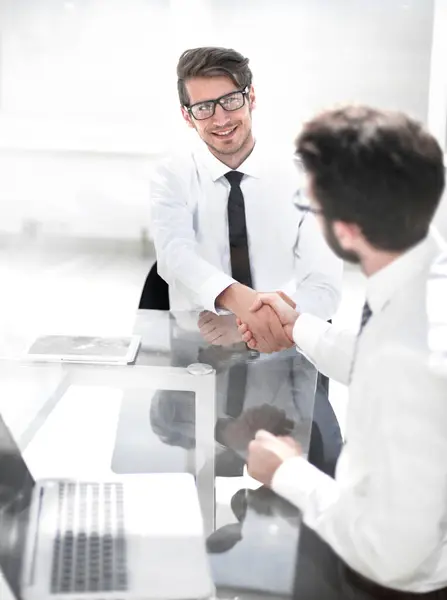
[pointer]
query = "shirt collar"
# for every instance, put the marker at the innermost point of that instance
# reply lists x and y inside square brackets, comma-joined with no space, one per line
[251,166]
[382,286]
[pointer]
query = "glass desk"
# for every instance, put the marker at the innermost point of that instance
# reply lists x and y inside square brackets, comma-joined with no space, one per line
[168,413]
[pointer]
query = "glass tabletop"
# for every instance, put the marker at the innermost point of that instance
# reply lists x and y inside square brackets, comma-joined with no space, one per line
[167,413]
[256,537]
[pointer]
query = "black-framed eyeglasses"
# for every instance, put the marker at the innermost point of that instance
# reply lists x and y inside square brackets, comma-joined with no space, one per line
[304,206]
[229,102]
[310,209]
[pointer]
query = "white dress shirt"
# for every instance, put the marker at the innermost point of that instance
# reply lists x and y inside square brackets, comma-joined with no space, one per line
[385,514]
[189,195]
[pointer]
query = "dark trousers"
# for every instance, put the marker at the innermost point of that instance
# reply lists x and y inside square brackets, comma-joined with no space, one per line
[322,575]
[325,439]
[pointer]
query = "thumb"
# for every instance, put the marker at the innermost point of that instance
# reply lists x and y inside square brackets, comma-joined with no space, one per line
[286,298]
[257,304]
[265,298]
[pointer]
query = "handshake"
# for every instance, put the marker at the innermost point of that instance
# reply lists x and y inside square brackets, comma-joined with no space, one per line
[264,321]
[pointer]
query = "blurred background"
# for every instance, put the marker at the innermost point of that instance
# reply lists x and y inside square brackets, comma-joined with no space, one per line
[88,91]
[88,103]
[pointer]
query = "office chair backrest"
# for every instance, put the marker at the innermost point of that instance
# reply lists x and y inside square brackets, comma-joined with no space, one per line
[155,294]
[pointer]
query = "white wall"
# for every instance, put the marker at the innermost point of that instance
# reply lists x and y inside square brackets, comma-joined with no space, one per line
[82,194]
[88,89]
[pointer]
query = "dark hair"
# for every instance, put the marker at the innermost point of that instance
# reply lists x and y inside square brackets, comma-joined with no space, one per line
[210,62]
[380,170]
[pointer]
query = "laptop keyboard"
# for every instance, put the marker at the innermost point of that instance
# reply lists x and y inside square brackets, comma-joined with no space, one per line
[89,551]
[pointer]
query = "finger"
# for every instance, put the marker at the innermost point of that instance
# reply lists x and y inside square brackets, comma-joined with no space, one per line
[277,331]
[257,304]
[238,322]
[270,298]
[208,328]
[243,328]
[206,314]
[264,331]
[286,298]
[209,337]
[269,337]
[264,436]
[205,317]
[261,331]
[214,337]
[247,337]
[252,344]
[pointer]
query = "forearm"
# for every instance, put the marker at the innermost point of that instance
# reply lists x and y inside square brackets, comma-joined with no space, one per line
[330,349]
[192,276]
[234,296]
[385,511]
[371,538]
[179,257]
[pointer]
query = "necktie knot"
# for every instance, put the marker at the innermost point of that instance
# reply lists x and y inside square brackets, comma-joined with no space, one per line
[234,178]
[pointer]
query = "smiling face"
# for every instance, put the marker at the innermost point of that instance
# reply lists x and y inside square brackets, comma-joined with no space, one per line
[228,134]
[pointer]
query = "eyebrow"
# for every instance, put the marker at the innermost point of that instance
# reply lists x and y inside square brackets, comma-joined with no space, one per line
[214,99]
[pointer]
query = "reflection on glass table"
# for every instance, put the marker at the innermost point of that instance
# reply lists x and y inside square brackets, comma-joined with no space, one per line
[254,547]
[158,416]
[61,537]
[275,392]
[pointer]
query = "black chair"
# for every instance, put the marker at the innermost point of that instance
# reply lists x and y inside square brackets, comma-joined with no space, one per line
[155,294]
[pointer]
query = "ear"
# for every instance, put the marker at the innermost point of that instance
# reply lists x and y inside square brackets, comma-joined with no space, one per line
[187,117]
[348,234]
[252,97]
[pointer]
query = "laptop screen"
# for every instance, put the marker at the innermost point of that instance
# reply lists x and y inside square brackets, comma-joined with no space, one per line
[16,485]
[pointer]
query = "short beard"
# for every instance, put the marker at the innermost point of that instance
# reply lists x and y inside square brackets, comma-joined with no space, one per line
[333,243]
[229,152]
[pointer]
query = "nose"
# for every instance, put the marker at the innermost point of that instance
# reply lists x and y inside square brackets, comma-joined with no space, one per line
[221,116]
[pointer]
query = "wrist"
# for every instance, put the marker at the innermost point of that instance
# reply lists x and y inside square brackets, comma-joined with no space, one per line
[231,296]
[290,327]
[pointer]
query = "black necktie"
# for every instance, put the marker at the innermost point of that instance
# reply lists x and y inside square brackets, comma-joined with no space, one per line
[366,315]
[237,231]
[241,271]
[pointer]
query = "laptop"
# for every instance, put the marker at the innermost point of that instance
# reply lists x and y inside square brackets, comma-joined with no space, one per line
[139,537]
[85,349]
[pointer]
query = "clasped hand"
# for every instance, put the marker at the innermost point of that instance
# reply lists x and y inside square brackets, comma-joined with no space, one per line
[284,309]
[263,321]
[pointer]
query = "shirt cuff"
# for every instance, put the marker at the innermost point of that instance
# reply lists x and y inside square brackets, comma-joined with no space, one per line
[211,289]
[294,481]
[307,333]
[305,486]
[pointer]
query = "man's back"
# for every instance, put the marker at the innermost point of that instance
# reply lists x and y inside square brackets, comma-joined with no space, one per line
[392,471]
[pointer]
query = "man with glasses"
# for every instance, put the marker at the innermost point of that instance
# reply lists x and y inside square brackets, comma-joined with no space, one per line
[223,214]
[224,218]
